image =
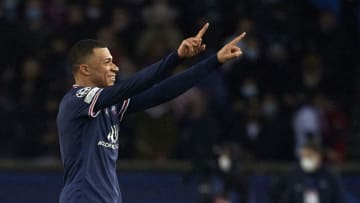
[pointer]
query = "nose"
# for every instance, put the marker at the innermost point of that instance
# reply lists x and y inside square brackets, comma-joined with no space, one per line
[115,68]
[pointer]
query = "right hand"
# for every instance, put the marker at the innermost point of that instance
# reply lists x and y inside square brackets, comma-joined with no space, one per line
[230,50]
[192,46]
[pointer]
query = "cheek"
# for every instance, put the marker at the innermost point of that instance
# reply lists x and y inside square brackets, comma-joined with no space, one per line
[105,75]
[99,74]
[101,71]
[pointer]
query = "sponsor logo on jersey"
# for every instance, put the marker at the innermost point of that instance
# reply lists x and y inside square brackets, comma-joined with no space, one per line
[83,91]
[90,95]
[113,137]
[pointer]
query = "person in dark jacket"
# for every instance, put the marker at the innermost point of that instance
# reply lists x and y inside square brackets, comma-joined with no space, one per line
[309,182]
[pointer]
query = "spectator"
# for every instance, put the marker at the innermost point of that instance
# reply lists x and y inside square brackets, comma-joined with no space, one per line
[291,49]
[311,181]
[307,125]
[334,128]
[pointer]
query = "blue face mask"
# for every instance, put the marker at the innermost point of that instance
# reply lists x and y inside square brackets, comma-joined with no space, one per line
[249,90]
[33,13]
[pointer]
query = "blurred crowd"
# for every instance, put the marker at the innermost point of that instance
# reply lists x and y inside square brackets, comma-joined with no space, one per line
[296,81]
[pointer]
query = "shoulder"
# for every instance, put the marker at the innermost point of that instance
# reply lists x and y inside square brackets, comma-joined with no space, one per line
[79,96]
[82,94]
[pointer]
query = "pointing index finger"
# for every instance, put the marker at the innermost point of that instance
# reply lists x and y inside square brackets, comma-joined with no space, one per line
[201,33]
[238,38]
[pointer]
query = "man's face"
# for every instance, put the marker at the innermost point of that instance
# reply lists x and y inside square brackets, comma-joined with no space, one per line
[102,71]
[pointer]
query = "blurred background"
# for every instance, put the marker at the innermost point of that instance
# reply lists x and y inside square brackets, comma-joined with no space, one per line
[229,139]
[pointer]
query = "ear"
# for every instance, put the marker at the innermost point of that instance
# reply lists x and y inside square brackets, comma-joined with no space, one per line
[84,69]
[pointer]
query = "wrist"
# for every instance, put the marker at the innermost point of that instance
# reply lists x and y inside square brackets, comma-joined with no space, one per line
[219,58]
[179,55]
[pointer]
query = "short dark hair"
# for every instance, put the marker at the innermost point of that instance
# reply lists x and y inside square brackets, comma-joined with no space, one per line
[82,49]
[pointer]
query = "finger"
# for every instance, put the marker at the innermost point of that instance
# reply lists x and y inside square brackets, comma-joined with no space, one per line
[200,48]
[194,42]
[190,41]
[238,38]
[236,54]
[198,41]
[201,33]
[235,49]
[190,46]
[187,45]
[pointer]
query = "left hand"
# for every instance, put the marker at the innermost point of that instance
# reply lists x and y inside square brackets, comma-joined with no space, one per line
[193,45]
[230,50]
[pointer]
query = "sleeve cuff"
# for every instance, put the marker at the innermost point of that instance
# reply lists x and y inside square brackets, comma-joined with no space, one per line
[213,60]
[176,56]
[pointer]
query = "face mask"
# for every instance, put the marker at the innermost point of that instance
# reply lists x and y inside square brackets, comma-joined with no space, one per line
[224,162]
[33,13]
[308,165]
[253,130]
[249,90]
[269,109]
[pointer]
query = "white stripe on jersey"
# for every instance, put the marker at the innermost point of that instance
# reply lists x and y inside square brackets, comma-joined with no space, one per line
[123,108]
[91,108]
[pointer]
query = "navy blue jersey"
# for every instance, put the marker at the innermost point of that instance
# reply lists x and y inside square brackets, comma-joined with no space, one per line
[89,126]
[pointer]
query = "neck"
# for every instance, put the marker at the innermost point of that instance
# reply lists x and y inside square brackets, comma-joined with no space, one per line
[83,83]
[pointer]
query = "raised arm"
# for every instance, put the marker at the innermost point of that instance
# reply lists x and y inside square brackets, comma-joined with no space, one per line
[104,97]
[173,86]
[149,76]
[178,84]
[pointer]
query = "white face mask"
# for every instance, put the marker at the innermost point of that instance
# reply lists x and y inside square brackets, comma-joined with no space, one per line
[308,164]
[224,162]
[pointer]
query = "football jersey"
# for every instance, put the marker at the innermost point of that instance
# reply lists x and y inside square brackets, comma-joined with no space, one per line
[89,145]
[89,125]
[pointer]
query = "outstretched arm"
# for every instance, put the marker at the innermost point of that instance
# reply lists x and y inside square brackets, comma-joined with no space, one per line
[104,97]
[178,84]
[173,86]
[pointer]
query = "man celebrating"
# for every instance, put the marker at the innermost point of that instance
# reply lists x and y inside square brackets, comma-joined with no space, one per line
[90,113]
